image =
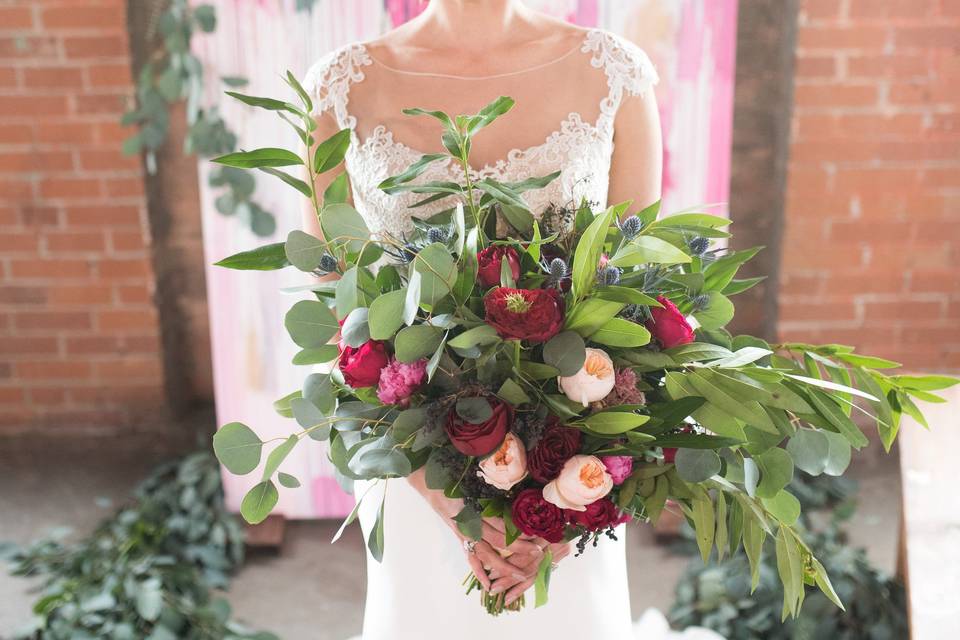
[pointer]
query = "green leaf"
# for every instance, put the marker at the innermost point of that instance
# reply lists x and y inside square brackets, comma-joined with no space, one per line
[697,465]
[839,455]
[541,586]
[587,316]
[282,406]
[566,352]
[619,332]
[376,539]
[264,103]
[296,183]
[703,522]
[259,502]
[476,337]
[625,295]
[784,506]
[750,412]
[330,152]
[871,362]
[692,219]
[311,324]
[417,341]
[753,538]
[718,312]
[338,191]
[318,390]
[925,383]
[347,293]
[303,250]
[344,227]
[823,582]
[489,113]
[513,393]
[469,523]
[318,355]
[790,568]
[776,471]
[614,422]
[266,258]
[267,157]
[237,448]
[810,451]
[827,408]
[287,480]
[412,172]
[355,331]
[278,455]
[588,251]
[386,314]
[519,218]
[380,463]
[537,371]
[832,386]
[648,250]
[438,273]
[474,410]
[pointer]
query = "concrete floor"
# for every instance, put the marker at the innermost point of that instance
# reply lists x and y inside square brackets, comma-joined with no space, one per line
[47,485]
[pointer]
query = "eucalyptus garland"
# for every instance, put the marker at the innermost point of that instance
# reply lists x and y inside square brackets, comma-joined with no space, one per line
[173,74]
[146,572]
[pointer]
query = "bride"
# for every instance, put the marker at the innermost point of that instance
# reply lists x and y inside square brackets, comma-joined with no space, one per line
[585,107]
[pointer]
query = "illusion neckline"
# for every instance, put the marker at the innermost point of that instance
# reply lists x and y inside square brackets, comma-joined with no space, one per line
[493,76]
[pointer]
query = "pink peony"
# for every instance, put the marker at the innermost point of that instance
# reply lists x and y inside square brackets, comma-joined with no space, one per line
[619,467]
[399,380]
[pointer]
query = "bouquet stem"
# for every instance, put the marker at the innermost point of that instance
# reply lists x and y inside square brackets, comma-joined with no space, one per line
[494,603]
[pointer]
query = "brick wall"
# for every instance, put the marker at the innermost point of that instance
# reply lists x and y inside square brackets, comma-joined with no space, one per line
[871,251]
[79,335]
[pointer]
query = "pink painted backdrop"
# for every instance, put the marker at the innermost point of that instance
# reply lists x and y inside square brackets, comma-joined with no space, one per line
[692,42]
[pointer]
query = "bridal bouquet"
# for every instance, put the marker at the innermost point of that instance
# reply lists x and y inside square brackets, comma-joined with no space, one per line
[567,371]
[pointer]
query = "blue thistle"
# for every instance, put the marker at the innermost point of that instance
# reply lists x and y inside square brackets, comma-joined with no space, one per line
[699,245]
[328,264]
[437,234]
[609,276]
[630,227]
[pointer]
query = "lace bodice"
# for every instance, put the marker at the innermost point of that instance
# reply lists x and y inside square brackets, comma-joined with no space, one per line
[580,148]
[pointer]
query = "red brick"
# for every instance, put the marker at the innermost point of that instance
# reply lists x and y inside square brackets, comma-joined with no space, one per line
[83,295]
[35,216]
[18,295]
[119,269]
[13,242]
[132,321]
[127,240]
[820,9]
[51,268]
[46,320]
[134,294]
[861,10]
[35,161]
[9,78]
[844,37]
[45,370]
[15,18]
[66,133]
[102,18]
[32,106]
[104,216]
[35,345]
[96,47]
[53,77]
[15,134]
[102,104]
[926,36]
[816,67]
[31,47]
[73,241]
[109,75]
[129,369]
[122,187]
[903,310]
[112,159]
[70,188]
[10,395]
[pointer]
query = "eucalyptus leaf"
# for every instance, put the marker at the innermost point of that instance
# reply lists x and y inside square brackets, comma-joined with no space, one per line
[237,448]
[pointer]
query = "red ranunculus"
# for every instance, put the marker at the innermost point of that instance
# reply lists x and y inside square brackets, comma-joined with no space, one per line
[668,325]
[480,439]
[490,260]
[361,365]
[556,445]
[524,314]
[535,516]
[598,516]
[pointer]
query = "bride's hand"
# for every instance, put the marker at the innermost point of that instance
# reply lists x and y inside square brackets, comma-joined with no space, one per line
[528,566]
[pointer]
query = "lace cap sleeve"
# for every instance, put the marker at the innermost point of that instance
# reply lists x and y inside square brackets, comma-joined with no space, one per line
[628,67]
[328,81]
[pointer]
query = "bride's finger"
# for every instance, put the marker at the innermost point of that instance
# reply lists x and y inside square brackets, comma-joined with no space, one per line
[560,550]
[498,540]
[517,590]
[496,523]
[477,567]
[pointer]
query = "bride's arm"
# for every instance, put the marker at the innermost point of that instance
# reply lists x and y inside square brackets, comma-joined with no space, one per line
[636,170]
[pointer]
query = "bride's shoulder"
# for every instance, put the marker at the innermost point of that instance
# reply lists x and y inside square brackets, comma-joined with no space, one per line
[332,74]
[624,61]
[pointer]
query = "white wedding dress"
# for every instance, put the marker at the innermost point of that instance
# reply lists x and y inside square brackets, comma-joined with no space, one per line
[566,109]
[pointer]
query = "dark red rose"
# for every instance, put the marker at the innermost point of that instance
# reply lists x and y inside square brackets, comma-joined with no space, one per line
[524,314]
[480,439]
[668,325]
[490,260]
[535,516]
[361,365]
[557,444]
[598,516]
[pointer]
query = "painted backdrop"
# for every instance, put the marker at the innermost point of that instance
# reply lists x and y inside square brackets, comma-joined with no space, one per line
[692,42]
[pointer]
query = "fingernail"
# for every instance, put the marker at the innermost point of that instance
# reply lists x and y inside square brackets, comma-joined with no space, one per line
[510,600]
[496,590]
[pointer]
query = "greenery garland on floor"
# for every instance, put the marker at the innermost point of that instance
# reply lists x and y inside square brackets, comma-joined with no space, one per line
[148,571]
[718,596]
[173,74]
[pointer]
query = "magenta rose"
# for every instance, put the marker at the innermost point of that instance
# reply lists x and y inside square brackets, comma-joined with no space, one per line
[619,467]
[361,365]
[556,445]
[399,381]
[490,261]
[524,314]
[534,516]
[598,516]
[668,325]
[480,439]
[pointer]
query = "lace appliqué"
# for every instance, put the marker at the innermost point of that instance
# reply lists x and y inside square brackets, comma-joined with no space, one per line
[580,150]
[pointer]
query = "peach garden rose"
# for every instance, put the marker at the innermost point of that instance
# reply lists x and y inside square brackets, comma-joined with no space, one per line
[582,481]
[593,382]
[507,465]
